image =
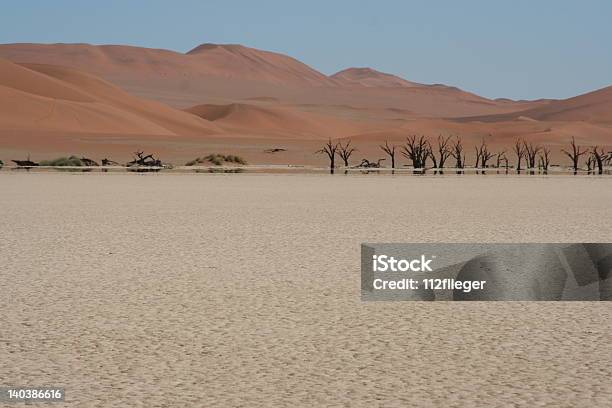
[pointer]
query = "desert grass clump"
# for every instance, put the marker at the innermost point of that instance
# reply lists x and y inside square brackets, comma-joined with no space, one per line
[71,161]
[217,160]
[193,162]
[235,159]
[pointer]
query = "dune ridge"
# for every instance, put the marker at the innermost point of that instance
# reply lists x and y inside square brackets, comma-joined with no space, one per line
[222,60]
[45,97]
[369,77]
[213,73]
[249,119]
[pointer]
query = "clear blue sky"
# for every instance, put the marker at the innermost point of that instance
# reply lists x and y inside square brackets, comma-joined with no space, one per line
[517,49]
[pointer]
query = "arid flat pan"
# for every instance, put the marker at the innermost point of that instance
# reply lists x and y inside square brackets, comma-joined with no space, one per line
[243,290]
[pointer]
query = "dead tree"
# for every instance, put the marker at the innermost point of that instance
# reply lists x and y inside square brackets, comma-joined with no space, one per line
[430,153]
[25,163]
[477,157]
[590,162]
[107,162]
[500,157]
[457,153]
[444,151]
[371,164]
[146,161]
[416,150]
[345,152]
[531,152]
[544,159]
[599,157]
[390,150]
[519,150]
[89,162]
[330,150]
[575,154]
[483,155]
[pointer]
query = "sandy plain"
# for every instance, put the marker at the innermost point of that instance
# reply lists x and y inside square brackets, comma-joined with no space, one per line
[175,290]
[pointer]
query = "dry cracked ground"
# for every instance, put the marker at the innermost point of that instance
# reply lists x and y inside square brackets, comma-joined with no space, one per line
[175,290]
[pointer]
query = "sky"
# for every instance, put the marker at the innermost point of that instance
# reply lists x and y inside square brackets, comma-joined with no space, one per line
[515,49]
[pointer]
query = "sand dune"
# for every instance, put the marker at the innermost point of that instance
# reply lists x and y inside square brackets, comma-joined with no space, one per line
[594,107]
[265,99]
[28,81]
[232,60]
[104,60]
[174,120]
[219,60]
[43,97]
[249,119]
[247,101]
[222,74]
[369,77]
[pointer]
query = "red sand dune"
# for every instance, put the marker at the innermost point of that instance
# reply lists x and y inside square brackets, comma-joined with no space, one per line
[250,120]
[245,100]
[222,74]
[593,107]
[369,77]
[230,61]
[242,62]
[43,97]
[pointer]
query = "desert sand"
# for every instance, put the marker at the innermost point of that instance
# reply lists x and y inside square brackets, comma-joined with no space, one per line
[96,101]
[111,100]
[371,78]
[58,99]
[162,290]
[228,73]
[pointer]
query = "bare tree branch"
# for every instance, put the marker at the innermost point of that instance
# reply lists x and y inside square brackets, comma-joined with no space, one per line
[483,155]
[575,154]
[330,150]
[417,150]
[531,152]
[544,158]
[444,150]
[599,157]
[345,152]
[519,150]
[390,150]
[457,153]
[500,157]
